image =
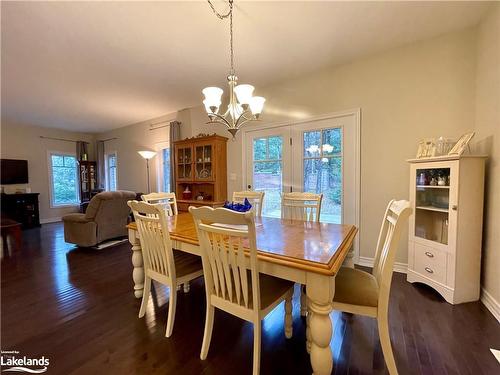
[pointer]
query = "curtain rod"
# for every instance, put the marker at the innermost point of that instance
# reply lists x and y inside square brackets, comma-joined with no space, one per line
[106,140]
[61,139]
[153,127]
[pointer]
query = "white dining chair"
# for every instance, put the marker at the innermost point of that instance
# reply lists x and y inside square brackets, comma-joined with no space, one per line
[168,199]
[162,263]
[301,206]
[169,202]
[256,199]
[225,236]
[363,293]
[305,207]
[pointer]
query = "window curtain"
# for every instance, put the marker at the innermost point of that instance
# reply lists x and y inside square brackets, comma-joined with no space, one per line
[81,150]
[175,135]
[101,168]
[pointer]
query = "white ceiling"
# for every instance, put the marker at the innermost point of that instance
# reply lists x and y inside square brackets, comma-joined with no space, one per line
[94,66]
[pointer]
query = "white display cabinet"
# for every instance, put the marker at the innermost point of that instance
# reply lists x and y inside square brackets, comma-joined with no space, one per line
[444,249]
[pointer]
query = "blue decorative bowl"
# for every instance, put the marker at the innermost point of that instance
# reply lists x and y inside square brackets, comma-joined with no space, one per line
[239,207]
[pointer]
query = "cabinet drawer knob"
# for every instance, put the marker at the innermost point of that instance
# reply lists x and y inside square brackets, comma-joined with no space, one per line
[429,270]
[430,255]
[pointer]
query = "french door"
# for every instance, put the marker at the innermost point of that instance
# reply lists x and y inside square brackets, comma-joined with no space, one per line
[318,156]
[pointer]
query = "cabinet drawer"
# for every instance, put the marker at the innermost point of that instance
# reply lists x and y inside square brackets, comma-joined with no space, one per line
[430,263]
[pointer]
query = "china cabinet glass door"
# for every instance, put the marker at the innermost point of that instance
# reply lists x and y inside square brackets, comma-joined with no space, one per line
[203,162]
[433,204]
[184,163]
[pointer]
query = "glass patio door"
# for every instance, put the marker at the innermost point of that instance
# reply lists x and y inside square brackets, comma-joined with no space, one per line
[268,168]
[318,156]
[325,161]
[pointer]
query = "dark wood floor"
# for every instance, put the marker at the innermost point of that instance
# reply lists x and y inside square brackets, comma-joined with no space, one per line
[76,307]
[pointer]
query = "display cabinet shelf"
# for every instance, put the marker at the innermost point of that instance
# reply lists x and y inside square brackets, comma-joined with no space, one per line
[432,208]
[432,187]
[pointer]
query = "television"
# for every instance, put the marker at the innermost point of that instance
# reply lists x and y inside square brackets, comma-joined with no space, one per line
[13,171]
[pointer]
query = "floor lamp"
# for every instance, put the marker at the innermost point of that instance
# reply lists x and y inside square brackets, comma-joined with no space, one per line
[147,155]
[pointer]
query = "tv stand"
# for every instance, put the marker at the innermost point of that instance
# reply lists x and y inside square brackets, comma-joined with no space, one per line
[22,208]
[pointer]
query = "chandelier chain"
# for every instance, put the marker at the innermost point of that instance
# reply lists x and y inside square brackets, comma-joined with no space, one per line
[222,17]
[219,15]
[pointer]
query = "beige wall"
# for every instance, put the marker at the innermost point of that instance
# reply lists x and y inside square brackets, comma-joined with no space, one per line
[131,169]
[488,137]
[426,89]
[24,142]
[418,91]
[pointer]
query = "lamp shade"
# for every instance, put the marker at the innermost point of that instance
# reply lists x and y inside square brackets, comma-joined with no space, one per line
[244,93]
[213,96]
[211,107]
[147,154]
[257,104]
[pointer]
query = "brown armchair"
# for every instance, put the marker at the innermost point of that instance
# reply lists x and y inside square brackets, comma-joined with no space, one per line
[105,218]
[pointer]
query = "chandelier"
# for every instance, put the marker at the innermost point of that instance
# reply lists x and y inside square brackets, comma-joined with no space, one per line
[243,106]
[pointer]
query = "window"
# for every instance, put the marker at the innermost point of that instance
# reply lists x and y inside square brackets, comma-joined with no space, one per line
[111,171]
[63,179]
[163,166]
[165,161]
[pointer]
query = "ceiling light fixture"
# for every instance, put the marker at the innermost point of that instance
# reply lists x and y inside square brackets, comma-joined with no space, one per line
[243,106]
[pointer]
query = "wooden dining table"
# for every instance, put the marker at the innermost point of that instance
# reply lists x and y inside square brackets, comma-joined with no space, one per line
[308,253]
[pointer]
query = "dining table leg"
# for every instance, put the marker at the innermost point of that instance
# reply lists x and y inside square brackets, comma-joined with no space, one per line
[320,290]
[138,272]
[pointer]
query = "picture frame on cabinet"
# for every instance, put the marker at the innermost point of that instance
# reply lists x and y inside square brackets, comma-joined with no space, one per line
[426,148]
[462,144]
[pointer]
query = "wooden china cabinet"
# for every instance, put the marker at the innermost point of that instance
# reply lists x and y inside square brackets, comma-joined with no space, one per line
[201,171]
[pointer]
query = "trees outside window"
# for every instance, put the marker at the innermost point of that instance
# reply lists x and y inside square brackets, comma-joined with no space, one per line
[163,168]
[64,179]
[111,180]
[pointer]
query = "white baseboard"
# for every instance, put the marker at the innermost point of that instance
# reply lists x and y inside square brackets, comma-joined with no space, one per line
[368,262]
[491,304]
[50,220]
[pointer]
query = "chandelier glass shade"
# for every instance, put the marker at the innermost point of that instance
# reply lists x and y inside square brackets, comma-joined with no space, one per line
[242,106]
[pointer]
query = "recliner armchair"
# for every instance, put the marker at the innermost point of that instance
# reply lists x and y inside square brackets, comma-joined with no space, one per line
[105,218]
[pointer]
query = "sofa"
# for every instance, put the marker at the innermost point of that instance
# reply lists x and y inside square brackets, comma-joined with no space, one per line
[105,218]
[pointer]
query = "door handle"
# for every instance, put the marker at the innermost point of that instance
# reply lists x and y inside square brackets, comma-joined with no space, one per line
[249,187]
[454,207]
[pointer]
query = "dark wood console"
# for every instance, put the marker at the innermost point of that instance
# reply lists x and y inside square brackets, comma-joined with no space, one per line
[22,208]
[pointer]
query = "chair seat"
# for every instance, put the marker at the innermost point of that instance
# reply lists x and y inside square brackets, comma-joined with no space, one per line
[356,287]
[271,288]
[186,263]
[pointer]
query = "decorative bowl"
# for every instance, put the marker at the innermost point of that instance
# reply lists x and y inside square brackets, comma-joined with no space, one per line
[238,207]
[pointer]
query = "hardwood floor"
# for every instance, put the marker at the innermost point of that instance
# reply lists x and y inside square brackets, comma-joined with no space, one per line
[76,307]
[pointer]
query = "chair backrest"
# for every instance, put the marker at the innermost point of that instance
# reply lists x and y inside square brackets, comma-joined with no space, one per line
[256,199]
[395,218]
[168,200]
[301,206]
[223,235]
[151,220]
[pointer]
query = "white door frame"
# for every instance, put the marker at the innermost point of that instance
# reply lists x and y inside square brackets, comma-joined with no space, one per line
[356,113]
